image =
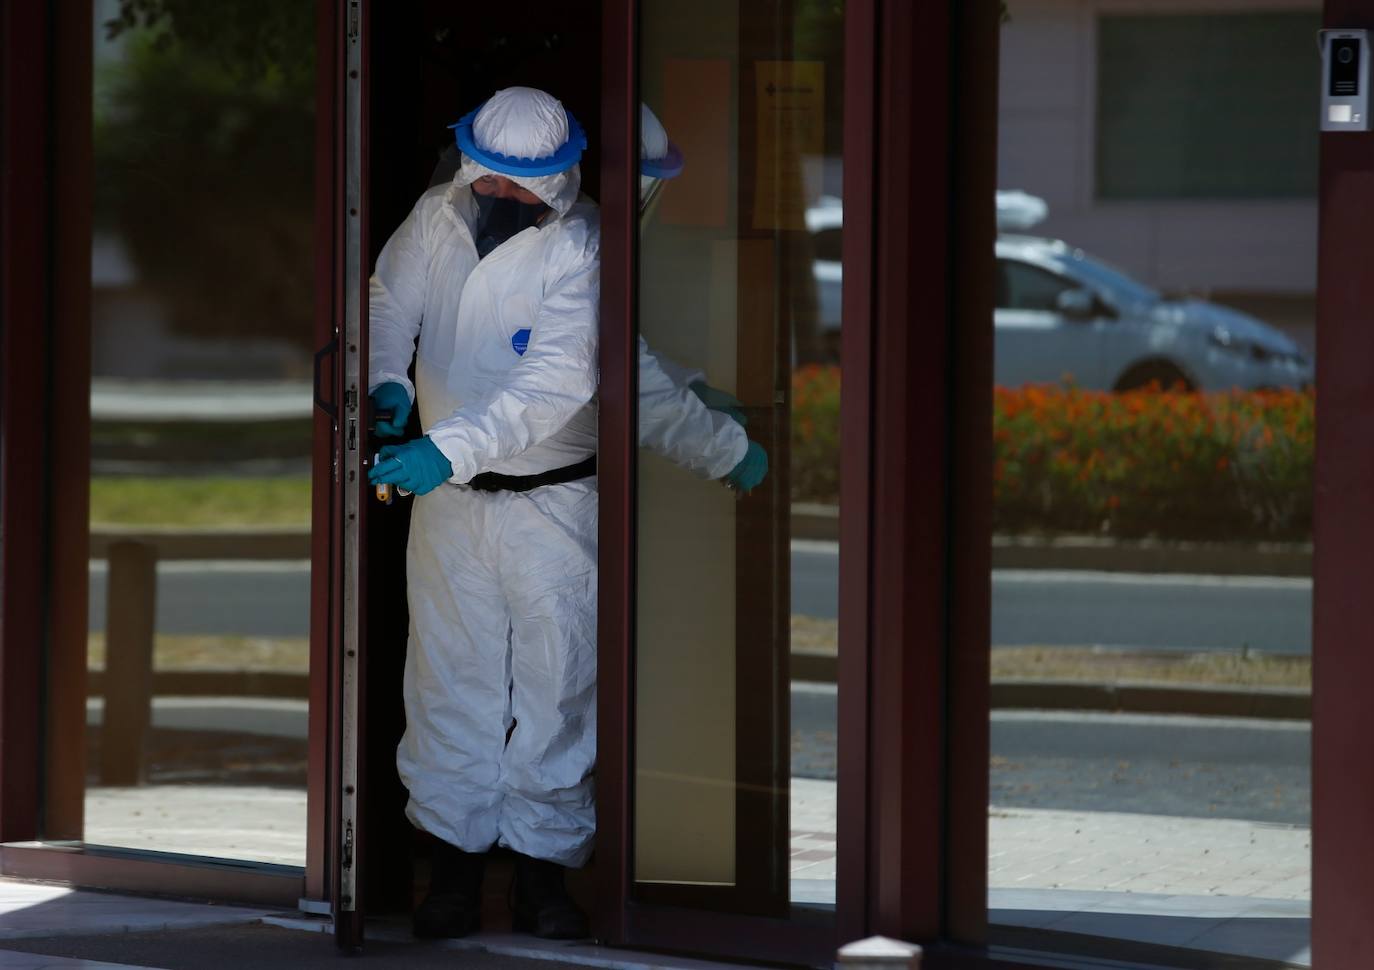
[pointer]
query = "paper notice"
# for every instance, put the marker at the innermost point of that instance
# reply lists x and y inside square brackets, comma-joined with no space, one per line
[790,125]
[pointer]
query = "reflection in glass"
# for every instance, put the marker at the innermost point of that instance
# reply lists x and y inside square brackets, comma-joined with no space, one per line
[202,315]
[1154,414]
[739,336]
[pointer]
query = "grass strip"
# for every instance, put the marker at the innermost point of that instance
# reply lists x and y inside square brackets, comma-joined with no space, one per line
[190,502]
[217,653]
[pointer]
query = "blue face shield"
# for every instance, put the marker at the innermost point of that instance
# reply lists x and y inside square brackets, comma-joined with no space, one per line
[500,219]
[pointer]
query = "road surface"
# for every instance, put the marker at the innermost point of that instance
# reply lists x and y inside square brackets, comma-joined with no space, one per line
[1029,607]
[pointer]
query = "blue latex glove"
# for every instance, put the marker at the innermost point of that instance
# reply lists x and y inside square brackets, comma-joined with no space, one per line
[392,397]
[718,400]
[745,476]
[417,466]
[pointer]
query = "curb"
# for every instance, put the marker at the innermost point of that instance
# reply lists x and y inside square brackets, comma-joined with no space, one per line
[287,542]
[1276,703]
[822,522]
[1152,556]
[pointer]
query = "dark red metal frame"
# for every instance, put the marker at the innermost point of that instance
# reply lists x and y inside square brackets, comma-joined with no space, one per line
[25,306]
[616,463]
[69,409]
[930,426]
[1343,655]
[329,175]
[24,351]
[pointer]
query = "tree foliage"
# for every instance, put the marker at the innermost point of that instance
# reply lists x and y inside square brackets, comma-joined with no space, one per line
[204,146]
[246,38]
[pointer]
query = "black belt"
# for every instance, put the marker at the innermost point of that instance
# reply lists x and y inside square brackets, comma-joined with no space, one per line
[492,482]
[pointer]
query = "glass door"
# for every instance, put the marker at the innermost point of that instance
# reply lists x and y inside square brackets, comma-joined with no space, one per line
[733,768]
[178,678]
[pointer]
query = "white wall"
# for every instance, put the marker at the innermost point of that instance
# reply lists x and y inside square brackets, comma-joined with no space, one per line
[1046,147]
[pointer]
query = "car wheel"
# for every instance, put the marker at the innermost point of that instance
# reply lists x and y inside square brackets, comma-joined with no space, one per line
[1142,375]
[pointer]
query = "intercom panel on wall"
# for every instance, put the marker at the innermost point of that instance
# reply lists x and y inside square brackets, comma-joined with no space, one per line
[1345,80]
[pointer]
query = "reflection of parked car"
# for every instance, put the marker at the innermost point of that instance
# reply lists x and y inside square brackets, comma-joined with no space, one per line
[1063,315]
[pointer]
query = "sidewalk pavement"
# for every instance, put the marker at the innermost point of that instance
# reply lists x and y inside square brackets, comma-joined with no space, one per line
[45,926]
[1230,885]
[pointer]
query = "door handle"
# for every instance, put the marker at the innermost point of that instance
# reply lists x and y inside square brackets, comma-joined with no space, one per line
[330,408]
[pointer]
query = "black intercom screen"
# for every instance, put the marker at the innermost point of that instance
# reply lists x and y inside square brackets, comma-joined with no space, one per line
[1345,67]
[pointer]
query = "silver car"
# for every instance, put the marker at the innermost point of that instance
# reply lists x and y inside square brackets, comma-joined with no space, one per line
[1062,315]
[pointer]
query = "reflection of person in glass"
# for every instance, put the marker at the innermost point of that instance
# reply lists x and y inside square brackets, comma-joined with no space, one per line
[496,274]
[681,417]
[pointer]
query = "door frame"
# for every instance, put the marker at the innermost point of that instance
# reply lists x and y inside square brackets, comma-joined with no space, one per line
[324,494]
[25,241]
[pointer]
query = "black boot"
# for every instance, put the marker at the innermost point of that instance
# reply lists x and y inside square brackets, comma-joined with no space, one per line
[542,905]
[453,905]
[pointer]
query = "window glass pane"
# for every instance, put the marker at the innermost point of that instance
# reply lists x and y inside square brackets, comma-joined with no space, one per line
[1152,486]
[201,332]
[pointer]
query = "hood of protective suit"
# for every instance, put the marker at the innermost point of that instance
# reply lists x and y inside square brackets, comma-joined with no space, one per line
[525,123]
[653,137]
[659,158]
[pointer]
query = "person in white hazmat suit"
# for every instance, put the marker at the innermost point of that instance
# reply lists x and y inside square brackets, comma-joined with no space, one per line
[496,276]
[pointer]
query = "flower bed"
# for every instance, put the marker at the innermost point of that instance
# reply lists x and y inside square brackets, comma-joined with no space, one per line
[1229,466]
[816,434]
[1171,464]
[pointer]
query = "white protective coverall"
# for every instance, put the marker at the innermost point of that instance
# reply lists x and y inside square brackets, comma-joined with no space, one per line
[502,585]
[673,422]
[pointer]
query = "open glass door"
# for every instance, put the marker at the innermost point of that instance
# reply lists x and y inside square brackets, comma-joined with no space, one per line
[732,762]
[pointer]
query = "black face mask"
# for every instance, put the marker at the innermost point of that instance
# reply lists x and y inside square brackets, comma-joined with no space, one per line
[499,219]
